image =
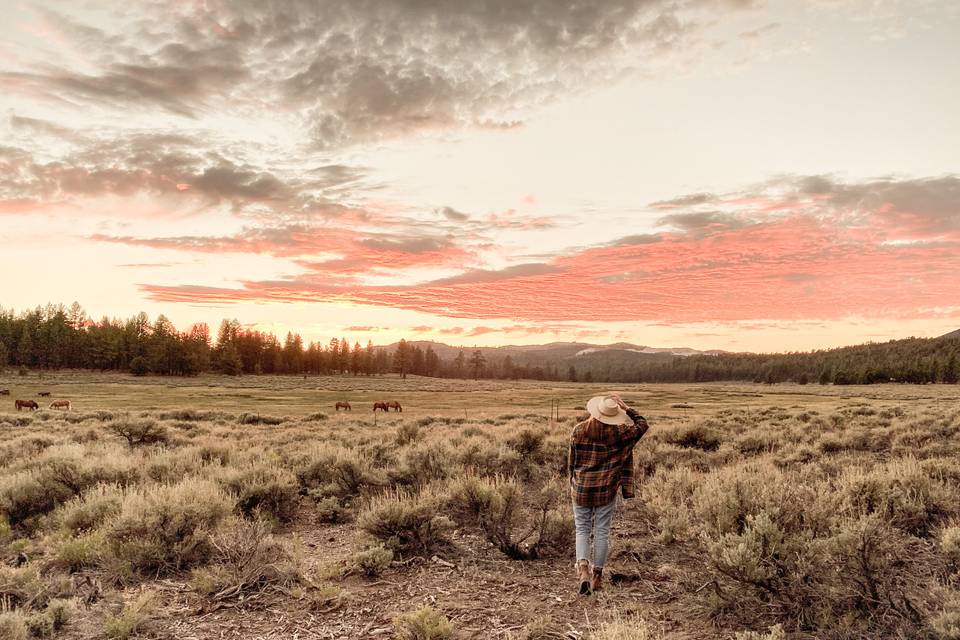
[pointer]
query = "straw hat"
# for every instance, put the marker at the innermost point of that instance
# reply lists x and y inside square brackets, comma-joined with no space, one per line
[607,410]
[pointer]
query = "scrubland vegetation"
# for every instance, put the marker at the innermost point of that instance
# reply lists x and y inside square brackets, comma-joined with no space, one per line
[806,518]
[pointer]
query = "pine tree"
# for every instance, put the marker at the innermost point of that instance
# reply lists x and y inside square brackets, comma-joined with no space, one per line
[401,358]
[431,361]
[369,359]
[230,363]
[25,348]
[477,362]
[951,372]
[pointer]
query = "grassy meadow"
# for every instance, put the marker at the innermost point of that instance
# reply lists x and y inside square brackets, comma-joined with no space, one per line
[216,507]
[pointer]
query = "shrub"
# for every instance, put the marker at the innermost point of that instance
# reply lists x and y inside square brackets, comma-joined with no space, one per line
[83,552]
[521,522]
[139,432]
[621,629]
[131,619]
[256,418]
[60,611]
[528,443]
[422,464]
[373,561]
[39,625]
[165,528]
[775,633]
[13,626]
[946,623]
[900,492]
[879,570]
[407,433]
[23,586]
[537,629]
[331,511]
[248,559]
[263,489]
[406,523]
[950,543]
[340,473]
[695,437]
[90,510]
[426,623]
[26,495]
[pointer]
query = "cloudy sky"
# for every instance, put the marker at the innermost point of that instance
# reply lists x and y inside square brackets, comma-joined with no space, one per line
[741,174]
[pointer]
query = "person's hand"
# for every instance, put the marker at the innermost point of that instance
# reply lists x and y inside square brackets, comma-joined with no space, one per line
[620,402]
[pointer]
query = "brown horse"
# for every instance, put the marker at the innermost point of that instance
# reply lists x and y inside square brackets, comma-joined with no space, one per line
[26,404]
[393,404]
[61,404]
[44,394]
[385,406]
[343,405]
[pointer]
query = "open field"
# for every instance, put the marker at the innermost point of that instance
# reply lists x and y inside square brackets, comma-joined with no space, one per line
[217,507]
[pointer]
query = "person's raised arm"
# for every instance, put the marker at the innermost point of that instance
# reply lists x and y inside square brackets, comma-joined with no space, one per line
[634,430]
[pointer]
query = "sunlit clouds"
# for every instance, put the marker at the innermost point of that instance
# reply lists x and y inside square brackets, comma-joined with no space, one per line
[707,173]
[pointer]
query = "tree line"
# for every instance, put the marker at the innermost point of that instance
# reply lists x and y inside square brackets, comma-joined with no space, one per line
[55,337]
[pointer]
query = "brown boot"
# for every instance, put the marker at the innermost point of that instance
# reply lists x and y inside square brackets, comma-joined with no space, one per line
[583,577]
[596,582]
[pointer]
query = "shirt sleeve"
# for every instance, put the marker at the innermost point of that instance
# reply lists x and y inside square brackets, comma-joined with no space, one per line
[632,432]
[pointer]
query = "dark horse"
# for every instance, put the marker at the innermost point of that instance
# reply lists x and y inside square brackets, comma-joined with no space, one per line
[343,405]
[4,392]
[381,405]
[26,404]
[44,394]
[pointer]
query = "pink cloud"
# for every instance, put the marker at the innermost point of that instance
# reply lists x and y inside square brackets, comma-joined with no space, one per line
[793,268]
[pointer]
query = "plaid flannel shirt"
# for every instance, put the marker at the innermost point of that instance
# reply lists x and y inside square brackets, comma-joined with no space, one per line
[598,468]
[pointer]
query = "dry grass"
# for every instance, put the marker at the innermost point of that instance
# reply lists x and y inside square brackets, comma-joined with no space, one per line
[832,513]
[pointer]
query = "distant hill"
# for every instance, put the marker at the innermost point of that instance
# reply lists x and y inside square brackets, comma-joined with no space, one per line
[914,360]
[562,353]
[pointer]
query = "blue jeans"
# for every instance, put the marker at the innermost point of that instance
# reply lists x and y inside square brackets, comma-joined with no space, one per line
[593,521]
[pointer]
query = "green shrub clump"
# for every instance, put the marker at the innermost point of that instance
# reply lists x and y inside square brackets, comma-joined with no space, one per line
[161,529]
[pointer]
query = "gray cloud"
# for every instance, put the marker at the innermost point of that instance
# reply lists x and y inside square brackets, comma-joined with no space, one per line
[685,201]
[484,275]
[639,239]
[363,70]
[924,205]
[703,222]
[453,215]
[921,206]
[407,245]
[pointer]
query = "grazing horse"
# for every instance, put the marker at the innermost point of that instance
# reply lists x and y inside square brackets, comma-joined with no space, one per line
[4,392]
[393,404]
[44,394]
[385,406]
[61,404]
[26,404]
[343,405]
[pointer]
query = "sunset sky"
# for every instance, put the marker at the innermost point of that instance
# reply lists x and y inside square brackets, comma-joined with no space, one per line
[736,174]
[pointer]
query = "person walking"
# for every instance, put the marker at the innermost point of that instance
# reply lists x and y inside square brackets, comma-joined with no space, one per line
[600,463]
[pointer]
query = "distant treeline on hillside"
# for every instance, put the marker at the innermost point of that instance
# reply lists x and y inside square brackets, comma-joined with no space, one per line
[57,337]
